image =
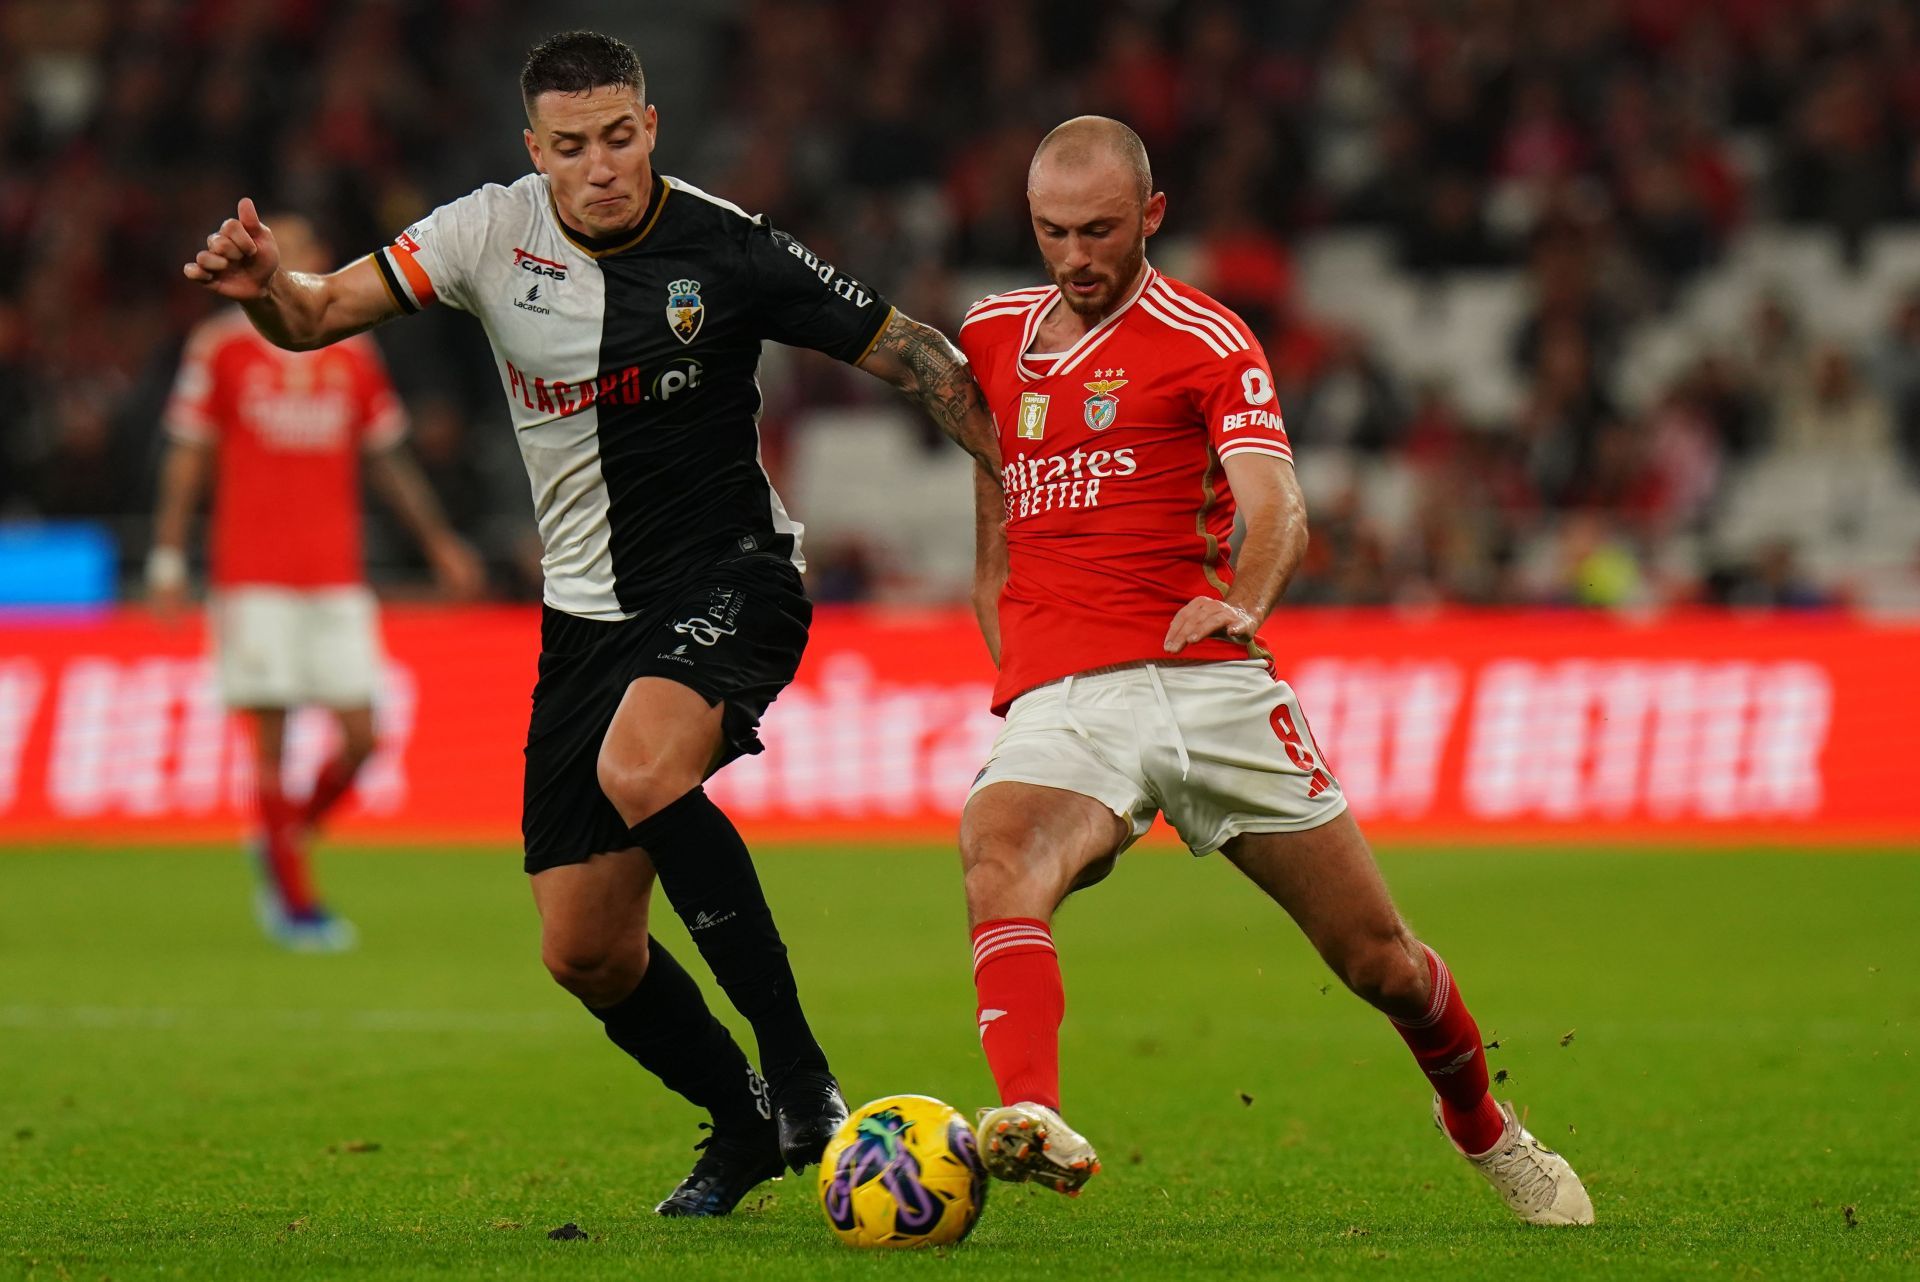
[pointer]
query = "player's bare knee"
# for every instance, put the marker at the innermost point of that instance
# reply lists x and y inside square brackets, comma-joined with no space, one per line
[596,974]
[571,968]
[640,789]
[999,882]
[985,877]
[596,968]
[1384,969]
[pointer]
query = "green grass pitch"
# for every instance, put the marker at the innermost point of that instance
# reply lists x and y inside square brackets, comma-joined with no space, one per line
[1724,1045]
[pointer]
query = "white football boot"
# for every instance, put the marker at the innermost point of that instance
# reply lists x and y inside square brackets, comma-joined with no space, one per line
[1535,1181]
[1032,1142]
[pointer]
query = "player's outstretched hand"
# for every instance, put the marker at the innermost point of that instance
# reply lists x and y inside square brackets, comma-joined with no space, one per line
[239,259]
[1209,616]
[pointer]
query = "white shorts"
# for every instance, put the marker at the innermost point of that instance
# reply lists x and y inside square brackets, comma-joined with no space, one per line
[289,647]
[1219,748]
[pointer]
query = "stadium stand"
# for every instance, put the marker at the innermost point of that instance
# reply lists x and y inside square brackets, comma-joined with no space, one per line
[1540,283]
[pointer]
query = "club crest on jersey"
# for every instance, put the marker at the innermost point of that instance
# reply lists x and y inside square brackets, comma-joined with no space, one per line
[685,311]
[1103,406]
[1033,416]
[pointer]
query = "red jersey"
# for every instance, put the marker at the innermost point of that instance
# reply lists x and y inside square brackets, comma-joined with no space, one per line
[287,428]
[1118,511]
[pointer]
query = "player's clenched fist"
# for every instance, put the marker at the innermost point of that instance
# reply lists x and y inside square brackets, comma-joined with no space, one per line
[239,259]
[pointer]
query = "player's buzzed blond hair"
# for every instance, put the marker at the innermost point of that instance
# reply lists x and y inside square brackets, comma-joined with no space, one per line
[1085,139]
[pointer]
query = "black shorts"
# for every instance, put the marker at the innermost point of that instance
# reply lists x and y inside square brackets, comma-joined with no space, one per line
[733,634]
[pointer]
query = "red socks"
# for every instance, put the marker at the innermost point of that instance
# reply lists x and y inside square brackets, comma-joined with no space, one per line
[1017,975]
[284,823]
[331,785]
[286,861]
[1446,1042]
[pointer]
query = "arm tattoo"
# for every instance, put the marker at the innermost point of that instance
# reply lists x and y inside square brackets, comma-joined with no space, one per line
[937,376]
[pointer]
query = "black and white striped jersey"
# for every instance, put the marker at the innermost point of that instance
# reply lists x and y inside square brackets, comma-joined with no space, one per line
[630,370]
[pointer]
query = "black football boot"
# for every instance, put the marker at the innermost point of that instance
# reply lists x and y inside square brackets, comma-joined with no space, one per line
[808,1109]
[731,1163]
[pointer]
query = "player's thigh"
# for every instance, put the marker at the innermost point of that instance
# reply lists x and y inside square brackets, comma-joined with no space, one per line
[339,651]
[1230,753]
[1024,847]
[1327,881]
[256,643]
[356,729]
[716,656]
[663,731]
[1061,796]
[269,736]
[594,911]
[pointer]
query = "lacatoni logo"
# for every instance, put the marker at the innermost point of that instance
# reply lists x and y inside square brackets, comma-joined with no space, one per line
[530,302]
[539,266]
[1036,485]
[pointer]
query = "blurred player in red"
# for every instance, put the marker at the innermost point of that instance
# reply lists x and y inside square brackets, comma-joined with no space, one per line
[282,434]
[1136,416]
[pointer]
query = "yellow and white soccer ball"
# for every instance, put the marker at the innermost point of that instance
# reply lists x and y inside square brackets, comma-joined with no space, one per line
[903,1171]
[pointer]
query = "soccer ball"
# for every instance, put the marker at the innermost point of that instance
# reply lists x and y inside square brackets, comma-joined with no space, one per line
[903,1171]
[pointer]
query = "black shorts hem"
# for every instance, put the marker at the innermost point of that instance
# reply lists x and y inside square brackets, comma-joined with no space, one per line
[739,723]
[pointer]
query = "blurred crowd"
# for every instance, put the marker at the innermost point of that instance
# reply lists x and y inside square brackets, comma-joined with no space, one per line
[1606,152]
[129,128]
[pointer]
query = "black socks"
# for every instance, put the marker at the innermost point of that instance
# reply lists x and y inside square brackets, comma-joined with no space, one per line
[704,867]
[666,1026]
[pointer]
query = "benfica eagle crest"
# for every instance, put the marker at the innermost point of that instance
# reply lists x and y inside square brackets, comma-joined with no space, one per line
[685,311]
[1103,406]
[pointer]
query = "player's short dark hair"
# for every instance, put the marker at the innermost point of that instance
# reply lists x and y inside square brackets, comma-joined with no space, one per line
[580,62]
[1080,139]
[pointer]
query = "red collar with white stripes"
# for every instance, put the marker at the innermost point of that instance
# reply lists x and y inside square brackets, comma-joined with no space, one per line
[1088,341]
